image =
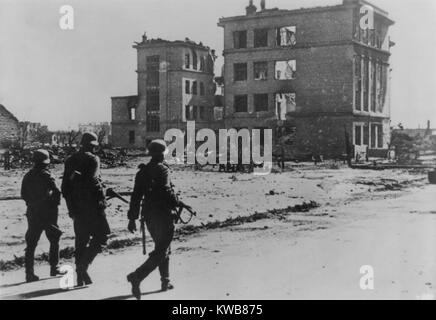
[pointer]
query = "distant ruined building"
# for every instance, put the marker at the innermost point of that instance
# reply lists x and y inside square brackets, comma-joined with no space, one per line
[9,128]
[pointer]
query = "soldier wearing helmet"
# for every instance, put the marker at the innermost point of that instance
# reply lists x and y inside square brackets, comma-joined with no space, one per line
[42,198]
[84,193]
[154,189]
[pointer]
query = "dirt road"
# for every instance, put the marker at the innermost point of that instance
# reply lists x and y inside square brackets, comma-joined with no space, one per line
[315,255]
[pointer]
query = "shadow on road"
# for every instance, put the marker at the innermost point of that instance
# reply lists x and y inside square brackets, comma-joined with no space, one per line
[130,296]
[38,294]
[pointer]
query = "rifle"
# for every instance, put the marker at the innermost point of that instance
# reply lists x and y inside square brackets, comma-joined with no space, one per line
[178,213]
[111,194]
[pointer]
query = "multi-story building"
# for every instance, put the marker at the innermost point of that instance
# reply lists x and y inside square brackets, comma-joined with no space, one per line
[175,85]
[312,74]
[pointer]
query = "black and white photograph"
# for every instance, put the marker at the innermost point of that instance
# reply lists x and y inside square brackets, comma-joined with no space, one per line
[237,151]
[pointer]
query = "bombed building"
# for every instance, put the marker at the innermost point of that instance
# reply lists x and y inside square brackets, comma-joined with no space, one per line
[175,85]
[313,75]
[9,128]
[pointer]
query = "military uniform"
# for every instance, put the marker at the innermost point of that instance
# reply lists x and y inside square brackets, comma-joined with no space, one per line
[42,198]
[153,187]
[84,194]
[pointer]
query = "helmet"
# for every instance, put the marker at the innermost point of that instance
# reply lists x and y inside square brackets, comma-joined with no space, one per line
[157,147]
[41,156]
[89,138]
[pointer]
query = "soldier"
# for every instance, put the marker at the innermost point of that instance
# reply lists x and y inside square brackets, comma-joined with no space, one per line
[7,160]
[154,188]
[42,198]
[84,194]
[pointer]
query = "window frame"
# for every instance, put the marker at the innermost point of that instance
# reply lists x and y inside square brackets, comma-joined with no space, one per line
[236,103]
[236,71]
[261,102]
[256,39]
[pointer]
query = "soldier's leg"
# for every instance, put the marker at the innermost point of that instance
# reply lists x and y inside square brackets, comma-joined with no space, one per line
[53,237]
[162,235]
[32,237]
[94,248]
[82,236]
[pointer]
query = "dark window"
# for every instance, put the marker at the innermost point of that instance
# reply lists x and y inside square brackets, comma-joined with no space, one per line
[152,124]
[187,61]
[202,113]
[187,112]
[240,71]
[194,112]
[241,103]
[380,137]
[365,84]
[240,39]
[358,83]
[195,88]
[152,100]
[366,135]
[131,137]
[261,102]
[261,38]
[374,86]
[194,60]
[202,91]
[152,70]
[260,70]
[202,64]
[358,135]
[187,87]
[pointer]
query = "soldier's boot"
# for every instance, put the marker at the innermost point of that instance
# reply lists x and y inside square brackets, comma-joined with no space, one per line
[55,271]
[166,285]
[164,270]
[83,277]
[29,263]
[136,283]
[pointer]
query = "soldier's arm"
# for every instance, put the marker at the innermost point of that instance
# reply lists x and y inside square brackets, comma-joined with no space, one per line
[162,181]
[54,192]
[136,198]
[24,192]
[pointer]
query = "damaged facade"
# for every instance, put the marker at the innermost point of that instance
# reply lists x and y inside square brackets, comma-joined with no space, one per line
[9,128]
[175,85]
[310,75]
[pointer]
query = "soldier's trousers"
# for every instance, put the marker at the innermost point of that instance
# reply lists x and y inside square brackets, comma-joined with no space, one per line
[33,234]
[162,232]
[88,242]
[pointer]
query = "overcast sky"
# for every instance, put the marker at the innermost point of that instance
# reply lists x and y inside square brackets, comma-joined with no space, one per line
[62,78]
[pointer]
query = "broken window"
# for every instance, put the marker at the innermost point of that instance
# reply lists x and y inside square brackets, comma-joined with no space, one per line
[260,70]
[202,91]
[240,39]
[132,114]
[285,103]
[358,83]
[285,70]
[152,100]
[261,102]
[241,103]
[260,38]
[131,137]
[286,36]
[187,60]
[187,87]
[240,71]
[194,87]
[152,123]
